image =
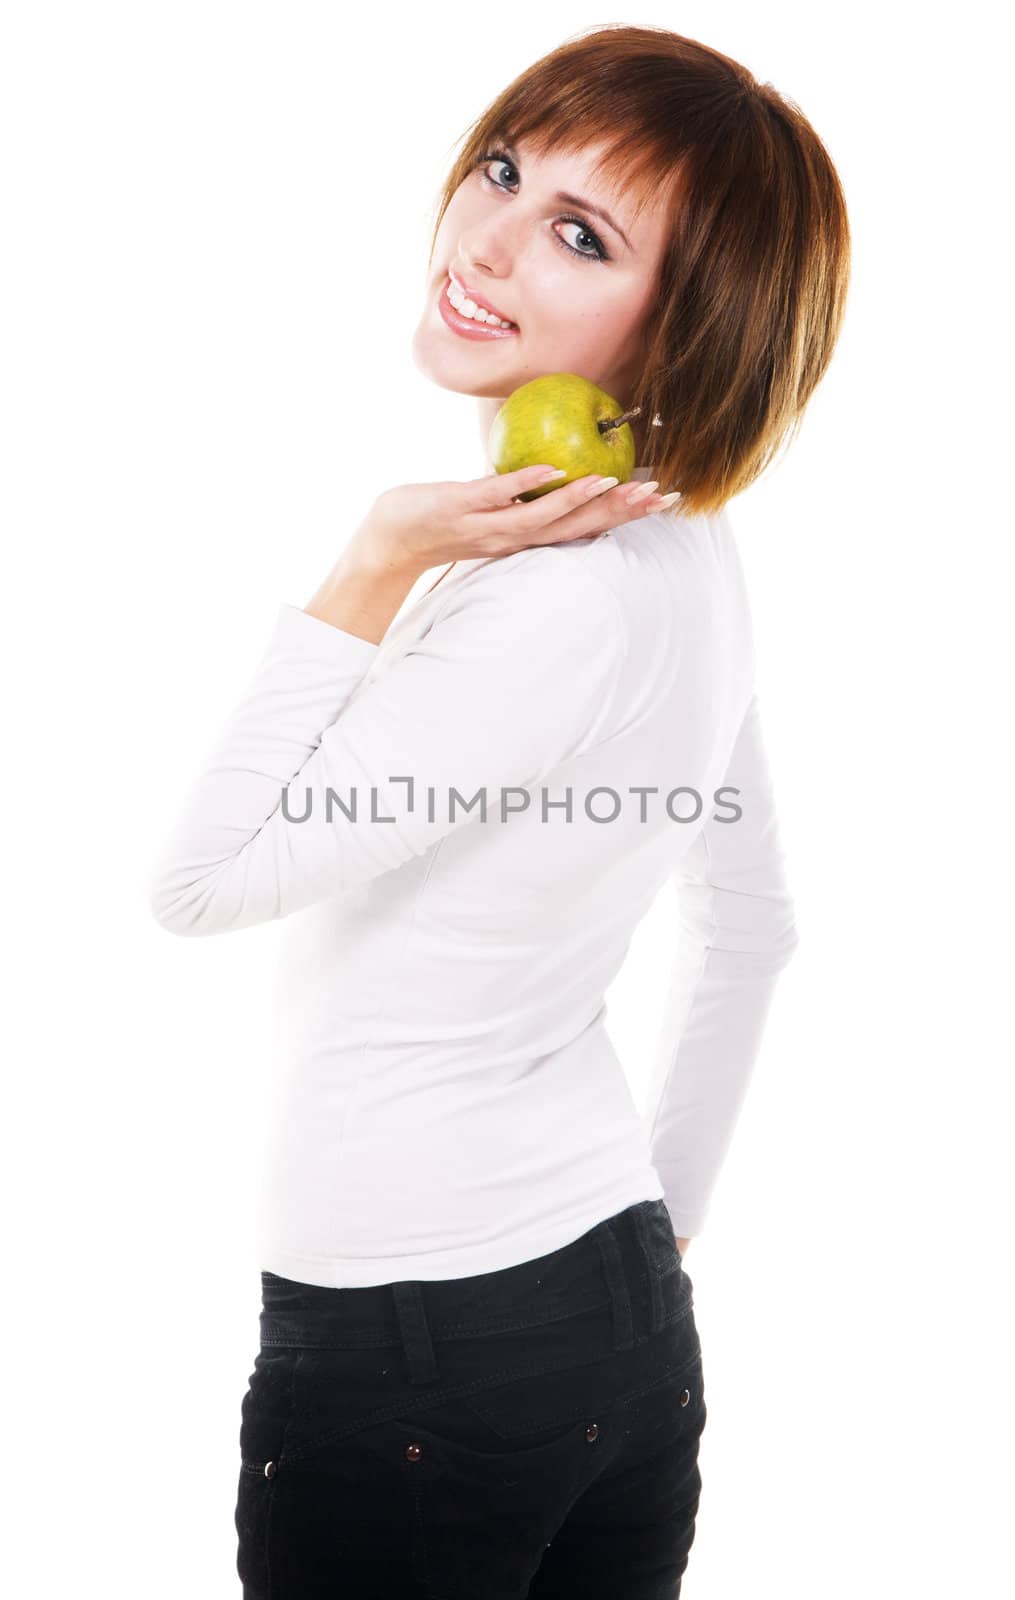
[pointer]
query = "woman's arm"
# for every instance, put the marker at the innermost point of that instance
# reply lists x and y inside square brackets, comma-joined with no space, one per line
[362,597]
[737,933]
[320,781]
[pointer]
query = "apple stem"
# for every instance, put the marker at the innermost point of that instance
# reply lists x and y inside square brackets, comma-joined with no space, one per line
[615,422]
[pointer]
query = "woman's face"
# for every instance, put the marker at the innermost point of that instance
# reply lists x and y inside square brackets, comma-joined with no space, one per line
[579,293]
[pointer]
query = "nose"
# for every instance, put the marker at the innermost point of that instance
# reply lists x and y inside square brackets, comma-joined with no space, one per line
[485,255]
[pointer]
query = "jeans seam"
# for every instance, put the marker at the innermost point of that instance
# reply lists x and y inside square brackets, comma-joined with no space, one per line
[464,1330]
[533,1424]
[422,1402]
[415,1403]
[456,1391]
[394,1343]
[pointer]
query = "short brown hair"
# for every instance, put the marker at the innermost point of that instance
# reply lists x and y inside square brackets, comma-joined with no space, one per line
[753,280]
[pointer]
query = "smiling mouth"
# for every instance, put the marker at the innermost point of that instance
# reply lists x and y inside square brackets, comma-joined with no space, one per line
[471,327]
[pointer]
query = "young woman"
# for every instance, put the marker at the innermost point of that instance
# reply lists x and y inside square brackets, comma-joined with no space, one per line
[479,1371]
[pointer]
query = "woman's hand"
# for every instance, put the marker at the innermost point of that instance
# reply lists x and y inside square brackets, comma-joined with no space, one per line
[420,525]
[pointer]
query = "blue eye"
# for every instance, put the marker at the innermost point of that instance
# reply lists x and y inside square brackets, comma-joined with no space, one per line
[601,252]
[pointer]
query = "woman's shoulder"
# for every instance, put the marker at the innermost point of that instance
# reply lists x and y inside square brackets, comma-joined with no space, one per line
[551,582]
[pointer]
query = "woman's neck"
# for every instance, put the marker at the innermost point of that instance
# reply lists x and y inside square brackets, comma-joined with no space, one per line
[488,409]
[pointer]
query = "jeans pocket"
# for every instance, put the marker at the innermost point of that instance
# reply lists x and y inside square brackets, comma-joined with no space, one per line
[667,1415]
[252,1521]
[488,1504]
[266,1409]
[660,1238]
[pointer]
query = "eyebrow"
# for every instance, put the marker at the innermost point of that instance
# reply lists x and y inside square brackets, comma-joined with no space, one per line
[576,200]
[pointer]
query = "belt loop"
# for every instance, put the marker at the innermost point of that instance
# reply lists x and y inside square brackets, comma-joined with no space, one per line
[613,1266]
[415,1331]
[655,1287]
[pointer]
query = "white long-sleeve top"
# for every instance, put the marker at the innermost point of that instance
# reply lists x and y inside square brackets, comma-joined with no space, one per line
[447,1100]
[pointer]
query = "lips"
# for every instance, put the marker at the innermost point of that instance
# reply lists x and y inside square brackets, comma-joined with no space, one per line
[467,327]
[477,299]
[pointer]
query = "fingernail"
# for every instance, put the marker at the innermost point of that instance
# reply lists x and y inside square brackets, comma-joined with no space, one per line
[547,473]
[642,490]
[667,500]
[601,485]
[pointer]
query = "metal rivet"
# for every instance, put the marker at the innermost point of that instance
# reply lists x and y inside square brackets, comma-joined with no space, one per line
[685,1397]
[269,1469]
[592,1432]
[413,1452]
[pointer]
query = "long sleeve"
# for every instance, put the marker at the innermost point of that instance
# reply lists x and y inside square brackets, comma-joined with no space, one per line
[737,932]
[515,675]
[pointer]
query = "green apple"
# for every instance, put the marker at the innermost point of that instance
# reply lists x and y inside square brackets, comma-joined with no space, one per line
[568,422]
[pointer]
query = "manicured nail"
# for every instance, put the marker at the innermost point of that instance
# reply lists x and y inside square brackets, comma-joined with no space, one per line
[546,474]
[642,490]
[667,500]
[600,486]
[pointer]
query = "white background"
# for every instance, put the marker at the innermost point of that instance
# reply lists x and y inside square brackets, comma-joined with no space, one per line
[216,221]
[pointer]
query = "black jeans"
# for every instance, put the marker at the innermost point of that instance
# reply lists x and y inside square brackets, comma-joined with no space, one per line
[531,1432]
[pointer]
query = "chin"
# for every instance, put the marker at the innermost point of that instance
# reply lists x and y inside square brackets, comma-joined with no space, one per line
[456,375]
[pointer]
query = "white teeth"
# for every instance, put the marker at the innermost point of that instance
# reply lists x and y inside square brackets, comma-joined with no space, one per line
[469,308]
